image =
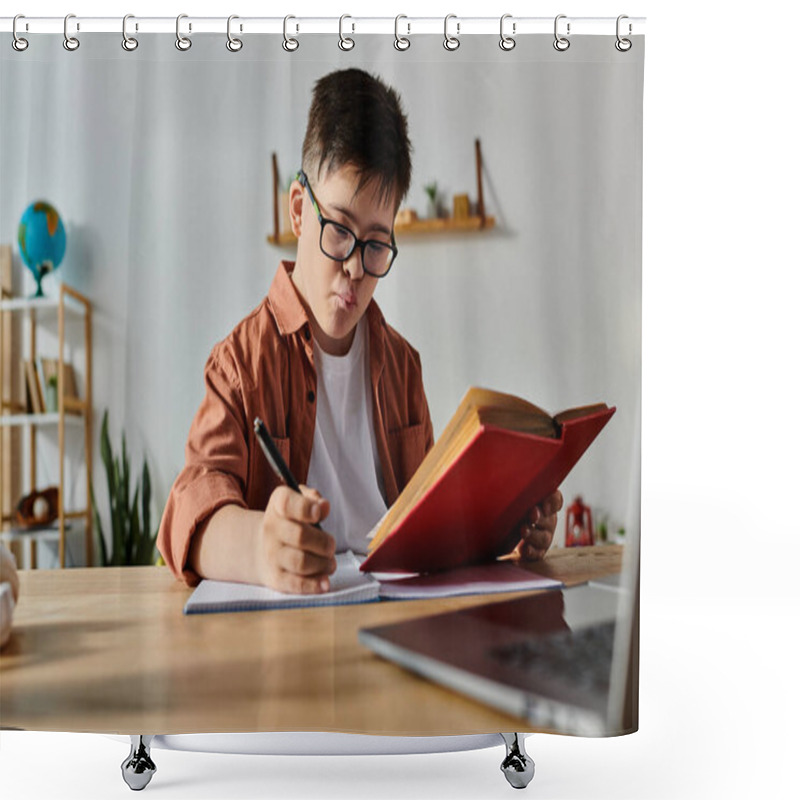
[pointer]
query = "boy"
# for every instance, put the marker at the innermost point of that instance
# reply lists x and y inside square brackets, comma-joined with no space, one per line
[338,389]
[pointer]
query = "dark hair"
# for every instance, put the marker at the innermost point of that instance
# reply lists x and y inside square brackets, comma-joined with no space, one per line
[356,119]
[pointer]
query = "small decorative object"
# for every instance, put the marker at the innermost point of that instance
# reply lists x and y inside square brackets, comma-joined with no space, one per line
[431,190]
[405,216]
[49,372]
[132,540]
[602,529]
[51,395]
[579,532]
[37,509]
[460,206]
[42,240]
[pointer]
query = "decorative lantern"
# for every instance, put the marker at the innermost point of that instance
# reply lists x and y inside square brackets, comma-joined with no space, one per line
[579,531]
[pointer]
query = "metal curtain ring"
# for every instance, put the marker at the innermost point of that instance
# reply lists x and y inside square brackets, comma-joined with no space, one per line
[233,44]
[129,43]
[623,45]
[451,42]
[70,42]
[507,42]
[18,43]
[345,42]
[289,44]
[182,42]
[400,42]
[561,43]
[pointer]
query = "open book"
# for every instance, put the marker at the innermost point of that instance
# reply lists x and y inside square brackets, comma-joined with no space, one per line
[348,586]
[498,456]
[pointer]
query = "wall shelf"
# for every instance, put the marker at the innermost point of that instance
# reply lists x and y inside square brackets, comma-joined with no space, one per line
[446,225]
[70,303]
[11,420]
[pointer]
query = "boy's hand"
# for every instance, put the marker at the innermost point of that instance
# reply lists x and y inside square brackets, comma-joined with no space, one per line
[293,555]
[537,528]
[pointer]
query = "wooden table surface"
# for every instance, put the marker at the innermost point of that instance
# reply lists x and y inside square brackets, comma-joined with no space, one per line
[108,650]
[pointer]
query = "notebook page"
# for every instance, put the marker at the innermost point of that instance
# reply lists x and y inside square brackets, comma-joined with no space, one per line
[348,585]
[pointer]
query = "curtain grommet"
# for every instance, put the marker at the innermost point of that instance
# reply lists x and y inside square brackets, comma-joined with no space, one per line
[346,43]
[289,44]
[18,43]
[183,43]
[129,43]
[622,44]
[507,42]
[233,44]
[561,43]
[401,43]
[71,43]
[451,43]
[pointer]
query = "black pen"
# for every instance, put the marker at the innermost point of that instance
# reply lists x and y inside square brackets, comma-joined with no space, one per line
[274,458]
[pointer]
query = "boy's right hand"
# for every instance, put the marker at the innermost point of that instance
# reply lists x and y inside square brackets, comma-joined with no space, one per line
[293,555]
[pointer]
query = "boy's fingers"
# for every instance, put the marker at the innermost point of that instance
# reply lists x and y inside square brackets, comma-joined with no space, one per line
[308,491]
[308,538]
[297,584]
[532,553]
[305,563]
[552,504]
[548,523]
[538,538]
[300,507]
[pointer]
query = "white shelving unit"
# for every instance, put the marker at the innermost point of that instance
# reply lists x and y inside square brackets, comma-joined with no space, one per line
[71,412]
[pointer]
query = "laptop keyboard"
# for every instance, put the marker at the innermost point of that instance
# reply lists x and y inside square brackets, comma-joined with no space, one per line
[581,658]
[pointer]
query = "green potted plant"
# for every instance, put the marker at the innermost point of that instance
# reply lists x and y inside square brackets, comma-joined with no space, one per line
[132,541]
[432,190]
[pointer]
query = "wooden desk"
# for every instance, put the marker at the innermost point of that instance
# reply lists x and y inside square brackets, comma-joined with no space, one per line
[108,650]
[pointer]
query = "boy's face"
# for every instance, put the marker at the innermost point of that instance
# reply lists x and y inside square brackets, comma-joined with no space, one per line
[337,293]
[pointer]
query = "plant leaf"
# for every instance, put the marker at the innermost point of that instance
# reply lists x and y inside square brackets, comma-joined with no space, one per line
[107,457]
[126,477]
[150,539]
[99,530]
[118,554]
[135,533]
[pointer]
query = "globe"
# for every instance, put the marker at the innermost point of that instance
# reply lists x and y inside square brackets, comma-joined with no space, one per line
[42,240]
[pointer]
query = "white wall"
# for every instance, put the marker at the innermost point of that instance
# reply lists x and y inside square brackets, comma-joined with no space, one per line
[159,162]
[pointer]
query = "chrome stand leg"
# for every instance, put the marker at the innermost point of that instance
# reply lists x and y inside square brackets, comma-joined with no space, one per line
[138,768]
[518,766]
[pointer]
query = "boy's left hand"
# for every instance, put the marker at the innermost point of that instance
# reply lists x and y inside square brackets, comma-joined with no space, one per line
[538,527]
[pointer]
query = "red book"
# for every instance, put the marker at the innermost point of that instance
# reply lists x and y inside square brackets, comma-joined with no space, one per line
[498,456]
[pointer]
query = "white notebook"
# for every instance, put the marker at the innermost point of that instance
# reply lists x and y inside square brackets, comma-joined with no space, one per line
[349,585]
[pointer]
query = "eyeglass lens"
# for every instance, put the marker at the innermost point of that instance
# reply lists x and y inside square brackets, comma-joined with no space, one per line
[338,243]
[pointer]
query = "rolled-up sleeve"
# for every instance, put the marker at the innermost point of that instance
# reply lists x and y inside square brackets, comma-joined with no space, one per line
[215,472]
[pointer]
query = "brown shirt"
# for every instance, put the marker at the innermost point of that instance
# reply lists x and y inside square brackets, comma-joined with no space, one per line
[265,368]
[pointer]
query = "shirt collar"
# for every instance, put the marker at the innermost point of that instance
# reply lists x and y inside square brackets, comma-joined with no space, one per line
[287,307]
[290,313]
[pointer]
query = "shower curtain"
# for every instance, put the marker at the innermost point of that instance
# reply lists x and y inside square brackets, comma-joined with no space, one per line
[168,168]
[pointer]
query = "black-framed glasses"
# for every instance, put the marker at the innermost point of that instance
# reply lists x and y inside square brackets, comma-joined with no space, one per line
[338,242]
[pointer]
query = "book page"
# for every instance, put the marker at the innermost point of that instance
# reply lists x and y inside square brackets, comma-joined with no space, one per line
[500,576]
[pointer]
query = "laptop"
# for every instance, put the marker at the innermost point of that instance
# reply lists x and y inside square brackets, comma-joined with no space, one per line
[563,661]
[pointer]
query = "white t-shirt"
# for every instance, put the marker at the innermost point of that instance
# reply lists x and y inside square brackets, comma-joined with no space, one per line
[345,466]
